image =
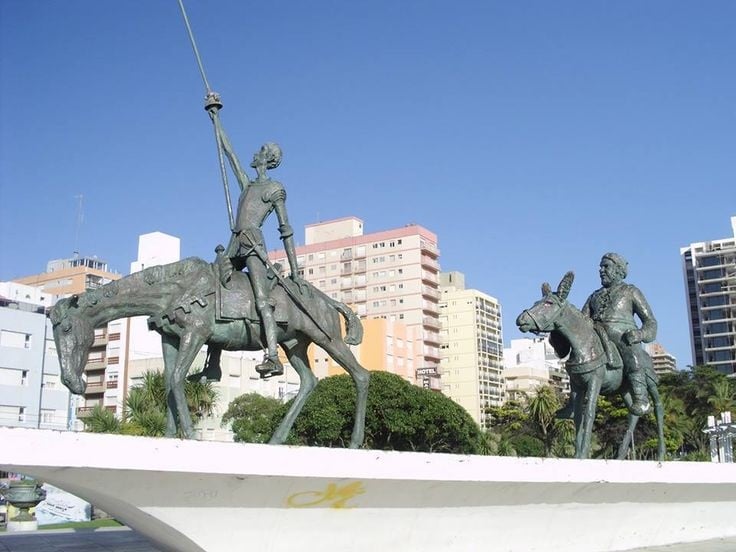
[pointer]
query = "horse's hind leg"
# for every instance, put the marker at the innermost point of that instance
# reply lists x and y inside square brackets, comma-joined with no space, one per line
[342,354]
[296,351]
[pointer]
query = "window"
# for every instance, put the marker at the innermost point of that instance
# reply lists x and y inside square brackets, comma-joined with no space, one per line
[24,377]
[16,340]
[21,413]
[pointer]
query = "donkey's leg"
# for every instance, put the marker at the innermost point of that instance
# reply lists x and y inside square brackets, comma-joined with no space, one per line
[296,351]
[342,354]
[659,414]
[578,408]
[169,346]
[591,402]
[623,449]
[189,345]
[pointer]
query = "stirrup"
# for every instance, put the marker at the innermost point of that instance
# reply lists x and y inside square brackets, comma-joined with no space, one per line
[270,367]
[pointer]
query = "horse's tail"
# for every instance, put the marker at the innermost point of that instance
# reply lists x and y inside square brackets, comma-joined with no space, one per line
[353,326]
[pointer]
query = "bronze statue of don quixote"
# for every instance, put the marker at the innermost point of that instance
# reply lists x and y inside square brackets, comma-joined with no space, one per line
[193,302]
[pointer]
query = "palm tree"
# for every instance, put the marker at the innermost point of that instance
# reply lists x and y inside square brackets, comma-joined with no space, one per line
[201,398]
[542,409]
[145,407]
[101,420]
[723,398]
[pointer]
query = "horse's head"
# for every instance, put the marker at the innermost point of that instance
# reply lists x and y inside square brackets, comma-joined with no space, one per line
[541,316]
[73,336]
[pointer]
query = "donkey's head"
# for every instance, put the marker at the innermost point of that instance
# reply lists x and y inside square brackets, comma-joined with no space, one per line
[541,316]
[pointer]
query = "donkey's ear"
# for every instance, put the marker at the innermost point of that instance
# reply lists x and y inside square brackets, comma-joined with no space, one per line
[546,289]
[565,284]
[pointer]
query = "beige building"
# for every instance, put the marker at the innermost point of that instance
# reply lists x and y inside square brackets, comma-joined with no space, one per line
[390,279]
[530,363]
[663,362]
[64,277]
[471,346]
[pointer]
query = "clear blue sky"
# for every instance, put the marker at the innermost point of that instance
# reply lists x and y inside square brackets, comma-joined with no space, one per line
[531,136]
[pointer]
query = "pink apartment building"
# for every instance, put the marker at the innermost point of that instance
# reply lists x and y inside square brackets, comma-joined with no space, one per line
[390,279]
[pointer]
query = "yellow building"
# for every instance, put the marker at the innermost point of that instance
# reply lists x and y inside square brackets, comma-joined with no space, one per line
[472,346]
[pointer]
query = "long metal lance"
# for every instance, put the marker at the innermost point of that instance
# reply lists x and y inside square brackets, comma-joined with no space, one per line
[213,104]
[194,46]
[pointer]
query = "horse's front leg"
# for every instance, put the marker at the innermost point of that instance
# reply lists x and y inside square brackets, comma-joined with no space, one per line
[170,347]
[189,345]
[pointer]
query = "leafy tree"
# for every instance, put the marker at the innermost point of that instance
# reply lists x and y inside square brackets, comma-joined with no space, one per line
[700,391]
[527,445]
[253,418]
[400,416]
[529,428]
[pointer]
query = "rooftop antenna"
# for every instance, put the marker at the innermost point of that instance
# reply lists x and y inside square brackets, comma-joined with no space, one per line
[80,219]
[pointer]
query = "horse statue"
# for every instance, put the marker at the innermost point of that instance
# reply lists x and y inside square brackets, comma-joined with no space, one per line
[571,332]
[185,302]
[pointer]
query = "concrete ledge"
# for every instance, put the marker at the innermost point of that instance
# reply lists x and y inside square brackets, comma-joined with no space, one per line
[189,496]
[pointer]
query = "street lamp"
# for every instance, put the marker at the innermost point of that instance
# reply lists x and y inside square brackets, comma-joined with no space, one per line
[721,432]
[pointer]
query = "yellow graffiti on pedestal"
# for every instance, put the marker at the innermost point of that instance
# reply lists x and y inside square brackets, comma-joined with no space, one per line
[333,496]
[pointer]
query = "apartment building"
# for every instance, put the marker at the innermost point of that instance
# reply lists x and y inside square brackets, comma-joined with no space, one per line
[710,280]
[664,363]
[391,276]
[31,393]
[471,347]
[530,363]
[64,277]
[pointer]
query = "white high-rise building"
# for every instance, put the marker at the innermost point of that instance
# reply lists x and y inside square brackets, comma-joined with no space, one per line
[471,346]
[530,363]
[710,280]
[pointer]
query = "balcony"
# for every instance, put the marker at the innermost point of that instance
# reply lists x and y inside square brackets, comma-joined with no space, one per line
[430,248]
[430,263]
[431,292]
[97,364]
[431,322]
[94,387]
[85,411]
[431,337]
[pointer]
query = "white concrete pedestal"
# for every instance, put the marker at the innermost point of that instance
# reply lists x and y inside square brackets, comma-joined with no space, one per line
[190,496]
[20,526]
